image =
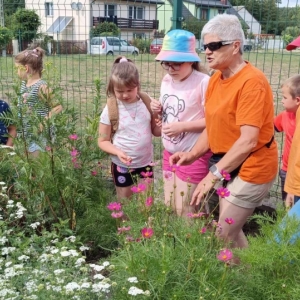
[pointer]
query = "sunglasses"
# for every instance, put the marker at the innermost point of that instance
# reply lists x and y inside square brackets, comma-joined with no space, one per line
[213,46]
[174,65]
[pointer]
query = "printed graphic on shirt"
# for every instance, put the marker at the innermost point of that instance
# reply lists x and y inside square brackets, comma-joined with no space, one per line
[172,106]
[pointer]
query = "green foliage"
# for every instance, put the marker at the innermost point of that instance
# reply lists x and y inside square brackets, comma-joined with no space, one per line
[194,25]
[265,12]
[25,24]
[11,6]
[105,27]
[142,44]
[291,31]
[5,37]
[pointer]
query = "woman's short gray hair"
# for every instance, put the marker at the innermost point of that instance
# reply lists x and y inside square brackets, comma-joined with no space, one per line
[226,27]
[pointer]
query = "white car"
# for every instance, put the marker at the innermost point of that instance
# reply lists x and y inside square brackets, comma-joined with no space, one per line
[110,45]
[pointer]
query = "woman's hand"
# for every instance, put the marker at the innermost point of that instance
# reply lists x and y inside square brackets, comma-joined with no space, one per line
[172,129]
[155,106]
[205,185]
[181,159]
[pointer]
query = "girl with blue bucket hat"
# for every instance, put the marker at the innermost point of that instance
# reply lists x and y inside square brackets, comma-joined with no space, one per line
[180,112]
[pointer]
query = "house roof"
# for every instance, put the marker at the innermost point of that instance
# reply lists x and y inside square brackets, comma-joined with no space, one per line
[238,8]
[146,1]
[185,12]
[209,3]
[232,11]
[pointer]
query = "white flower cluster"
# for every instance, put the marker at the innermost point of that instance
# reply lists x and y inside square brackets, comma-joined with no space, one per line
[133,290]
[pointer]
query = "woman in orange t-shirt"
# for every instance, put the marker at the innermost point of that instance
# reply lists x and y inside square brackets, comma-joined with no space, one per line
[239,129]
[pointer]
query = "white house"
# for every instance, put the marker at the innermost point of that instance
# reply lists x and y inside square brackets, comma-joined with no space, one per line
[73,19]
[253,24]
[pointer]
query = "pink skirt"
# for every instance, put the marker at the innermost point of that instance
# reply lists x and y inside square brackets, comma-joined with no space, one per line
[193,173]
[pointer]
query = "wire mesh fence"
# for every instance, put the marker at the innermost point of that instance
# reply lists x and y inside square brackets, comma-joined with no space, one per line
[82,39]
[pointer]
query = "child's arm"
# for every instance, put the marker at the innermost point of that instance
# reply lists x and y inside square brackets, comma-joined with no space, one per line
[106,145]
[289,200]
[278,123]
[155,126]
[174,129]
[12,131]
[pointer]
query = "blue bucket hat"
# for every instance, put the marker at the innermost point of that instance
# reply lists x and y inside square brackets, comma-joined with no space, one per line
[178,46]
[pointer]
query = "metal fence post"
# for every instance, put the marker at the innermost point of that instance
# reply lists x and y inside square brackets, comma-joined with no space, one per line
[177,14]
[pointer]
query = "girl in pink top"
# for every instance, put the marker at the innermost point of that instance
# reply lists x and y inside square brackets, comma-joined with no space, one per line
[181,110]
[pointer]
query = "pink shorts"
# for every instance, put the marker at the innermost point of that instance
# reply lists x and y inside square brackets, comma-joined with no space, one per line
[193,173]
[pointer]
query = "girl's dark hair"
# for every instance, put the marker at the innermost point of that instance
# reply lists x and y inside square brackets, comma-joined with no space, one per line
[198,67]
[33,58]
[123,73]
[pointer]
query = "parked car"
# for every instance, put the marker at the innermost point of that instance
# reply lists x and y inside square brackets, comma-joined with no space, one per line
[156,46]
[109,45]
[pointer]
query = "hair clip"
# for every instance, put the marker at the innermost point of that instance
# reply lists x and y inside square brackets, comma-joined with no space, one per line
[34,50]
[34,55]
[123,59]
[26,54]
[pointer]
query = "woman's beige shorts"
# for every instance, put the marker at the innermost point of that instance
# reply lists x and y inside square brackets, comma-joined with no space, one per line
[247,195]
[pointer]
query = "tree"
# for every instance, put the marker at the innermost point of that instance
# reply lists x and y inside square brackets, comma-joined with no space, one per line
[25,24]
[194,25]
[5,37]
[108,28]
[11,6]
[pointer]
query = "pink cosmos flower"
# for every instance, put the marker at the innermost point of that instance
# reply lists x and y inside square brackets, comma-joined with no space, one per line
[123,229]
[146,174]
[203,230]
[148,180]
[224,255]
[117,215]
[147,232]
[114,206]
[173,168]
[229,221]
[129,238]
[94,173]
[48,148]
[74,152]
[168,175]
[226,175]
[216,224]
[149,201]
[223,192]
[196,215]
[138,189]
[73,137]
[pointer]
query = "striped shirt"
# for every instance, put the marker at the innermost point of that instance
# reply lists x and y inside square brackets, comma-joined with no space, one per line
[30,105]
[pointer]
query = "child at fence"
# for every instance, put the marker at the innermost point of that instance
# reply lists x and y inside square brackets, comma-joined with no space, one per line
[291,93]
[181,110]
[286,122]
[126,127]
[35,98]
[8,130]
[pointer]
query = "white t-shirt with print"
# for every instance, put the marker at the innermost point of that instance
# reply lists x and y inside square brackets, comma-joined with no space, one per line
[182,101]
[134,135]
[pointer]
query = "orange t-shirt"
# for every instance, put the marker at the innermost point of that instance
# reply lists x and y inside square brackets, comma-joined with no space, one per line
[243,99]
[286,122]
[292,182]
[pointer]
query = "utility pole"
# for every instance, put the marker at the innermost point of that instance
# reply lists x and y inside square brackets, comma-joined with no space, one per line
[177,14]
[1,13]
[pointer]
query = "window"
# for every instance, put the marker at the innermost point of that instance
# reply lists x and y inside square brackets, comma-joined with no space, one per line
[135,12]
[48,9]
[204,14]
[139,35]
[110,10]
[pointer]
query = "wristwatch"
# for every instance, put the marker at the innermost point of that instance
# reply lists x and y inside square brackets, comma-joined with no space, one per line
[214,169]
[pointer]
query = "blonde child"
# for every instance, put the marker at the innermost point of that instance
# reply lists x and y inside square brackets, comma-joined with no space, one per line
[181,109]
[286,122]
[291,101]
[130,142]
[35,97]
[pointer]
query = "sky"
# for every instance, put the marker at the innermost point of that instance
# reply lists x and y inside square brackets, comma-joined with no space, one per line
[289,3]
